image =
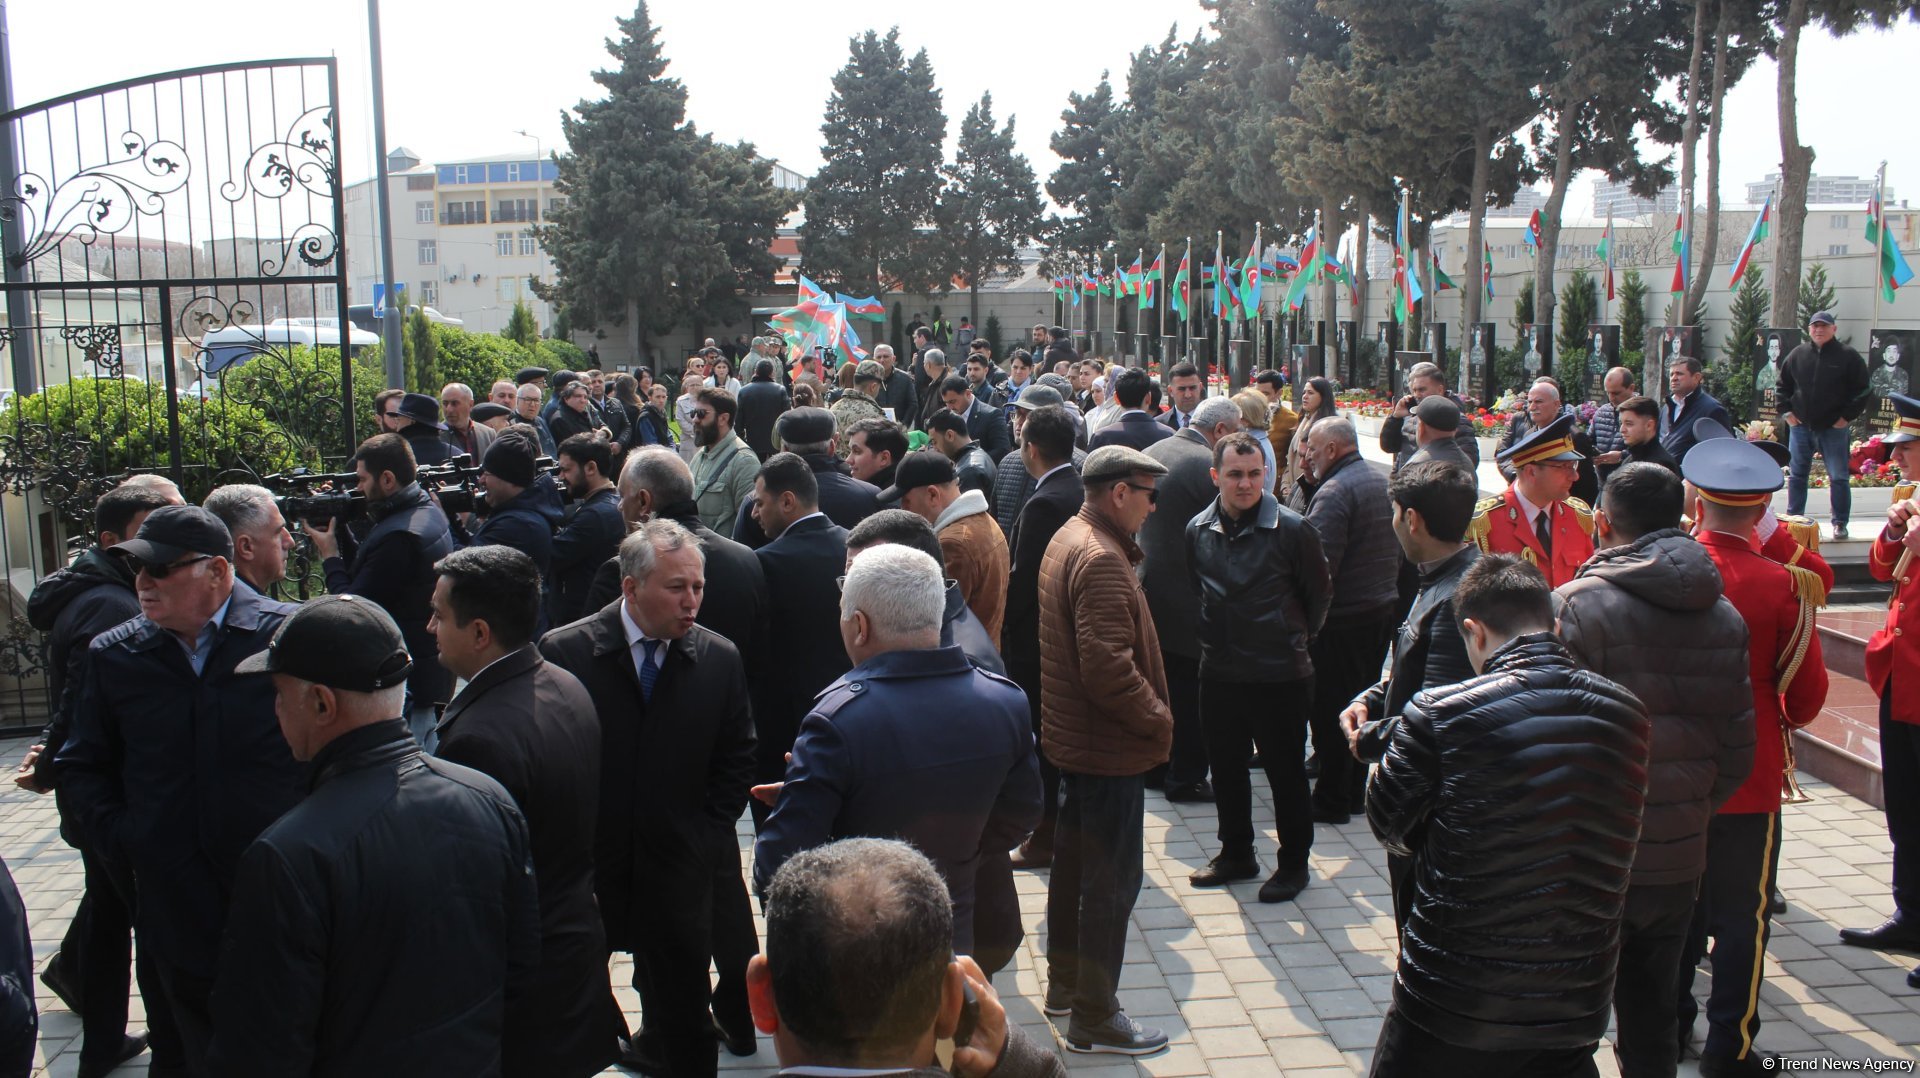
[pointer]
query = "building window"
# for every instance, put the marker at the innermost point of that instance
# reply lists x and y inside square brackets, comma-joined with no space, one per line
[430,292]
[423,212]
[429,252]
[517,209]
[514,173]
[508,288]
[465,213]
[1838,220]
[503,244]
[1836,248]
[423,182]
[527,246]
[459,174]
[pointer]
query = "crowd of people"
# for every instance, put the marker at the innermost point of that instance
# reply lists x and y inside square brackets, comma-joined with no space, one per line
[934,624]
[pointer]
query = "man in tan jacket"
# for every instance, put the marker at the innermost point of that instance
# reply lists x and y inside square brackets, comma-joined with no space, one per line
[971,542]
[1105,723]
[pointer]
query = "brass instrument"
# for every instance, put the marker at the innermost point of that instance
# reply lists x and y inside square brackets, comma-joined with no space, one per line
[1903,492]
[1790,791]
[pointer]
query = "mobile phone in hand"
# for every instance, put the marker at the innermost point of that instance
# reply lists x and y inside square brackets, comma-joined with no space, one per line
[969,1015]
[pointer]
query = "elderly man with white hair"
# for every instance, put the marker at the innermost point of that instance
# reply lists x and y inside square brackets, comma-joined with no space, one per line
[261,541]
[963,780]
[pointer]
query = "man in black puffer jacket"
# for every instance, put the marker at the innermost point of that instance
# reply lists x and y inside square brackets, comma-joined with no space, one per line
[1648,611]
[1519,795]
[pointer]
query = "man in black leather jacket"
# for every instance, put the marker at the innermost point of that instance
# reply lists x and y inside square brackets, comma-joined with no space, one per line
[1507,960]
[388,840]
[1264,591]
[393,563]
[972,466]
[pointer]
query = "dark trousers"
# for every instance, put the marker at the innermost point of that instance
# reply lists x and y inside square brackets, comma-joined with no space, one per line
[189,1001]
[94,957]
[1743,853]
[1347,658]
[734,944]
[1653,937]
[1900,771]
[1029,681]
[1272,716]
[1096,877]
[670,974]
[1187,763]
[997,930]
[1406,1049]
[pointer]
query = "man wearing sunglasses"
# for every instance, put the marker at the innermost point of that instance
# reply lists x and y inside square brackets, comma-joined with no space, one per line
[176,762]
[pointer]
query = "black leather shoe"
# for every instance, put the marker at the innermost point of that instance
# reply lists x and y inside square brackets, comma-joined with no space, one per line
[634,1061]
[1188,792]
[1254,764]
[1892,934]
[740,1041]
[55,978]
[1322,814]
[1284,884]
[1755,1064]
[1227,868]
[1032,855]
[1776,902]
[130,1047]
[1117,1035]
[1913,977]
[1313,766]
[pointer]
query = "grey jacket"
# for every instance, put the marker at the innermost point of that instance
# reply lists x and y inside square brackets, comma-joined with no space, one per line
[1354,517]
[1652,617]
[1400,439]
[1185,491]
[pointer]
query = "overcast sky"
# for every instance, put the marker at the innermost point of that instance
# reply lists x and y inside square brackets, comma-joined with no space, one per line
[462,79]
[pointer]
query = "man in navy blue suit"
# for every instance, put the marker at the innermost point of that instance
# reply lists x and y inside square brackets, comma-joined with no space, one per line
[1134,428]
[1687,404]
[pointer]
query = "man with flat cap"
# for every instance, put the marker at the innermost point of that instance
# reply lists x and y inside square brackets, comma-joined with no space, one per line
[1538,518]
[1436,421]
[811,434]
[493,417]
[1733,484]
[1893,656]
[385,924]
[1106,722]
[531,376]
[175,763]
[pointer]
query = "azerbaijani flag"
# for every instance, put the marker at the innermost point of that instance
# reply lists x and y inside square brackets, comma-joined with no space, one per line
[1406,283]
[1532,234]
[1221,306]
[1250,280]
[1060,289]
[1441,282]
[869,308]
[1486,268]
[1312,262]
[1893,271]
[1183,286]
[1151,277]
[810,291]
[1605,251]
[1683,253]
[1754,236]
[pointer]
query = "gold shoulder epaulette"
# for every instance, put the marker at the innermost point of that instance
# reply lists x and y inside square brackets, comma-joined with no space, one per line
[1804,531]
[1583,513]
[1481,527]
[1808,586]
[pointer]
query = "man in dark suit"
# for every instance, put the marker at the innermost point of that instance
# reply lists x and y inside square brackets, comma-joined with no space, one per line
[676,759]
[1046,447]
[807,555]
[1134,428]
[985,425]
[866,763]
[1184,388]
[761,403]
[809,433]
[531,726]
[1686,404]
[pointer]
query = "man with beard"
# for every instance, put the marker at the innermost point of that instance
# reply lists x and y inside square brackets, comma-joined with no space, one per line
[724,464]
[593,530]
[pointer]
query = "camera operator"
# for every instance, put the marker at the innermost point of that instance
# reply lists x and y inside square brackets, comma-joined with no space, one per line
[520,513]
[261,541]
[392,564]
[593,529]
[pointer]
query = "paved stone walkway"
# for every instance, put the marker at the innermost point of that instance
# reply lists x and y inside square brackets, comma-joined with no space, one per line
[1245,989]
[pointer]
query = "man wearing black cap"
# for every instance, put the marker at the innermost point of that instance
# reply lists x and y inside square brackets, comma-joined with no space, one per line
[325,966]
[810,434]
[1538,518]
[392,564]
[421,427]
[531,376]
[520,514]
[490,417]
[1823,385]
[973,548]
[175,763]
[1734,483]
[1436,421]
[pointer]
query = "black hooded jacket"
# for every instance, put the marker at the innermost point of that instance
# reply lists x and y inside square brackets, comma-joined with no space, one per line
[72,606]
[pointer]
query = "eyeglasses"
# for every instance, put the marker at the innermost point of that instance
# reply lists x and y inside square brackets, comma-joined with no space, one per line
[699,414]
[840,583]
[161,572]
[1152,493]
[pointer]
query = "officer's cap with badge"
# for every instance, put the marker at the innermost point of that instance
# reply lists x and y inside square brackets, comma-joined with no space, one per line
[1906,422]
[1732,471]
[1549,443]
[344,642]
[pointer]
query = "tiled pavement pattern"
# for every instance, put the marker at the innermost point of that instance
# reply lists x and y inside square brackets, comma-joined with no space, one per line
[1297,988]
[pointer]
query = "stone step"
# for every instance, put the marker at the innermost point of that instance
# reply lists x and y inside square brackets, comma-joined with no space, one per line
[1841,745]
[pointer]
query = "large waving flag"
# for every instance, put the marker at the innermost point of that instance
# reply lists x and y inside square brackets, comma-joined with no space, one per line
[1754,236]
[1894,272]
[809,290]
[1152,277]
[1406,280]
[1183,286]
[1441,282]
[1312,262]
[1250,278]
[817,322]
[1605,251]
[869,308]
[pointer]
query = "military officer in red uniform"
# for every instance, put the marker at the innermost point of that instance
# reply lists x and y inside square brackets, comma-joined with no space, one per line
[1893,659]
[1538,518]
[1792,541]
[1733,483]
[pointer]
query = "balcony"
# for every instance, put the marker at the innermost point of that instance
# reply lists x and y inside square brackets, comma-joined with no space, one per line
[463,217]
[505,214]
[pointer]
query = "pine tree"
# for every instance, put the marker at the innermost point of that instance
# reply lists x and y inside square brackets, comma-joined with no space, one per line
[522,329]
[1633,311]
[1816,293]
[991,204]
[1746,336]
[653,211]
[562,328]
[1523,308]
[1089,175]
[423,352]
[1579,306]
[884,130]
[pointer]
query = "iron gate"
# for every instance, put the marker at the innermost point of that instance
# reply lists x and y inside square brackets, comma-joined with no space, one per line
[176,303]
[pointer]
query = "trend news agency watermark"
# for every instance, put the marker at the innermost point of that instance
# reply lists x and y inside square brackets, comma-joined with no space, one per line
[1829,1064]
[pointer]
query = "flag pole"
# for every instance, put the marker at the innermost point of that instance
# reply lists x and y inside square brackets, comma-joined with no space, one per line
[1160,303]
[1186,313]
[1879,240]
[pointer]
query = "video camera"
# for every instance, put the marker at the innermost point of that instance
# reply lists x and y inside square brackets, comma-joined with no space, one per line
[317,497]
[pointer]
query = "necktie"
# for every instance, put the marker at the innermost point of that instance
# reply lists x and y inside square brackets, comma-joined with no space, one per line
[649,671]
[1543,528]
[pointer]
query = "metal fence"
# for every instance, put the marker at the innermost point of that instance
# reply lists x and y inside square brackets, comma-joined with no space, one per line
[175,300]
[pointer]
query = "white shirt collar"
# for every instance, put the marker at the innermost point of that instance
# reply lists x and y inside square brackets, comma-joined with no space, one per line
[1052,470]
[1526,507]
[634,636]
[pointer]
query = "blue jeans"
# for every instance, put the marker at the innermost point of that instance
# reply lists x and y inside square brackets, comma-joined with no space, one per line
[1832,444]
[1097,872]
